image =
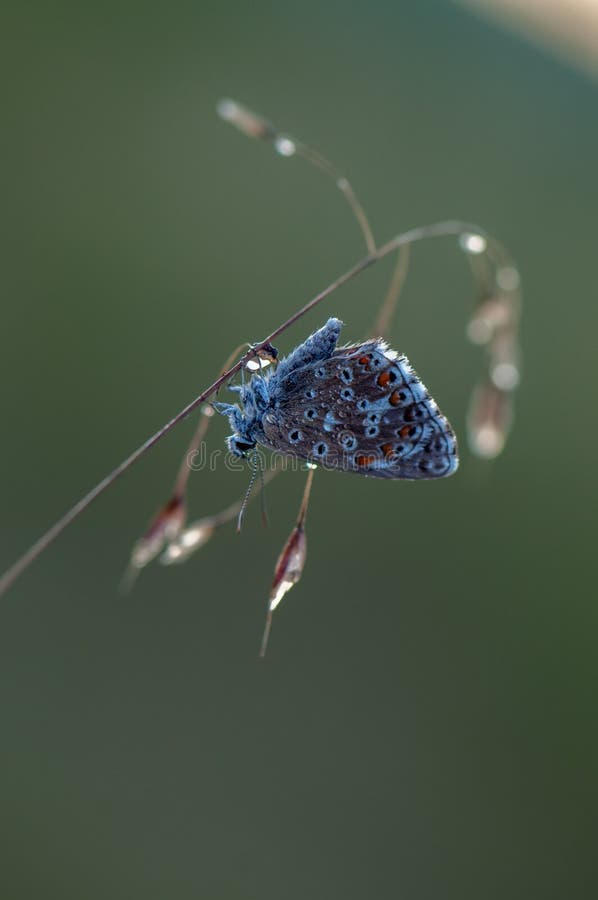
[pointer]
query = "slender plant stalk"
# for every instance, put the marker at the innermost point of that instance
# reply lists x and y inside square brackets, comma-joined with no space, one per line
[384,317]
[257,127]
[439,229]
[290,563]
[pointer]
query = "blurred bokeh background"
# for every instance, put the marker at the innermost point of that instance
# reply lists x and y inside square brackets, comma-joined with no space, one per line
[425,723]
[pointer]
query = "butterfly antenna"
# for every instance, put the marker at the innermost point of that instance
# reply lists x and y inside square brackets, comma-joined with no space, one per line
[263,505]
[245,501]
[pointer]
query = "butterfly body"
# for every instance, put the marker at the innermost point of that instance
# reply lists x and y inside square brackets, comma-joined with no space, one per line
[359,408]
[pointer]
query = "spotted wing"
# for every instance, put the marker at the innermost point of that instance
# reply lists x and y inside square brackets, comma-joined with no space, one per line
[362,410]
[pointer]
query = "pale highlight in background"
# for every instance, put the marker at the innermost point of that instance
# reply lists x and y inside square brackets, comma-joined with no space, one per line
[567,27]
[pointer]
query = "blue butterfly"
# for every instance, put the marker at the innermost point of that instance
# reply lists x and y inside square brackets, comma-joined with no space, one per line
[359,408]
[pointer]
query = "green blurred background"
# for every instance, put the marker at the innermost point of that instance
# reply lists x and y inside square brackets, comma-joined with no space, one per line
[425,723]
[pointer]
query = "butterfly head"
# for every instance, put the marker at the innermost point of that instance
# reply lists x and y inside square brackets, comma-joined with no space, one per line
[243,423]
[239,445]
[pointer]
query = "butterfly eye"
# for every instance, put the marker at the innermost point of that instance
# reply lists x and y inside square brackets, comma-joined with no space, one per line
[240,448]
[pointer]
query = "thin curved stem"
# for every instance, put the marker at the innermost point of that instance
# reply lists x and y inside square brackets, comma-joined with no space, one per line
[255,126]
[439,229]
[384,317]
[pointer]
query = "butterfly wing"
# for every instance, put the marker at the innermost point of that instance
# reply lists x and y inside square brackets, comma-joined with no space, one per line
[362,410]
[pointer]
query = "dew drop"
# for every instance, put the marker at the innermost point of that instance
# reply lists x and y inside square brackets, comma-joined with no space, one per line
[487,441]
[473,243]
[508,278]
[285,146]
[505,376]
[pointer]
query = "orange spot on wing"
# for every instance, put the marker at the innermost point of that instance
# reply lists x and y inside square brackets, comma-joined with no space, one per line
[383,378]
[405,431]
[388,450]
[394,398]
[363,460]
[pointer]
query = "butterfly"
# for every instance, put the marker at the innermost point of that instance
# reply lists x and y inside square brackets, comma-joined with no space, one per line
[359,408]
